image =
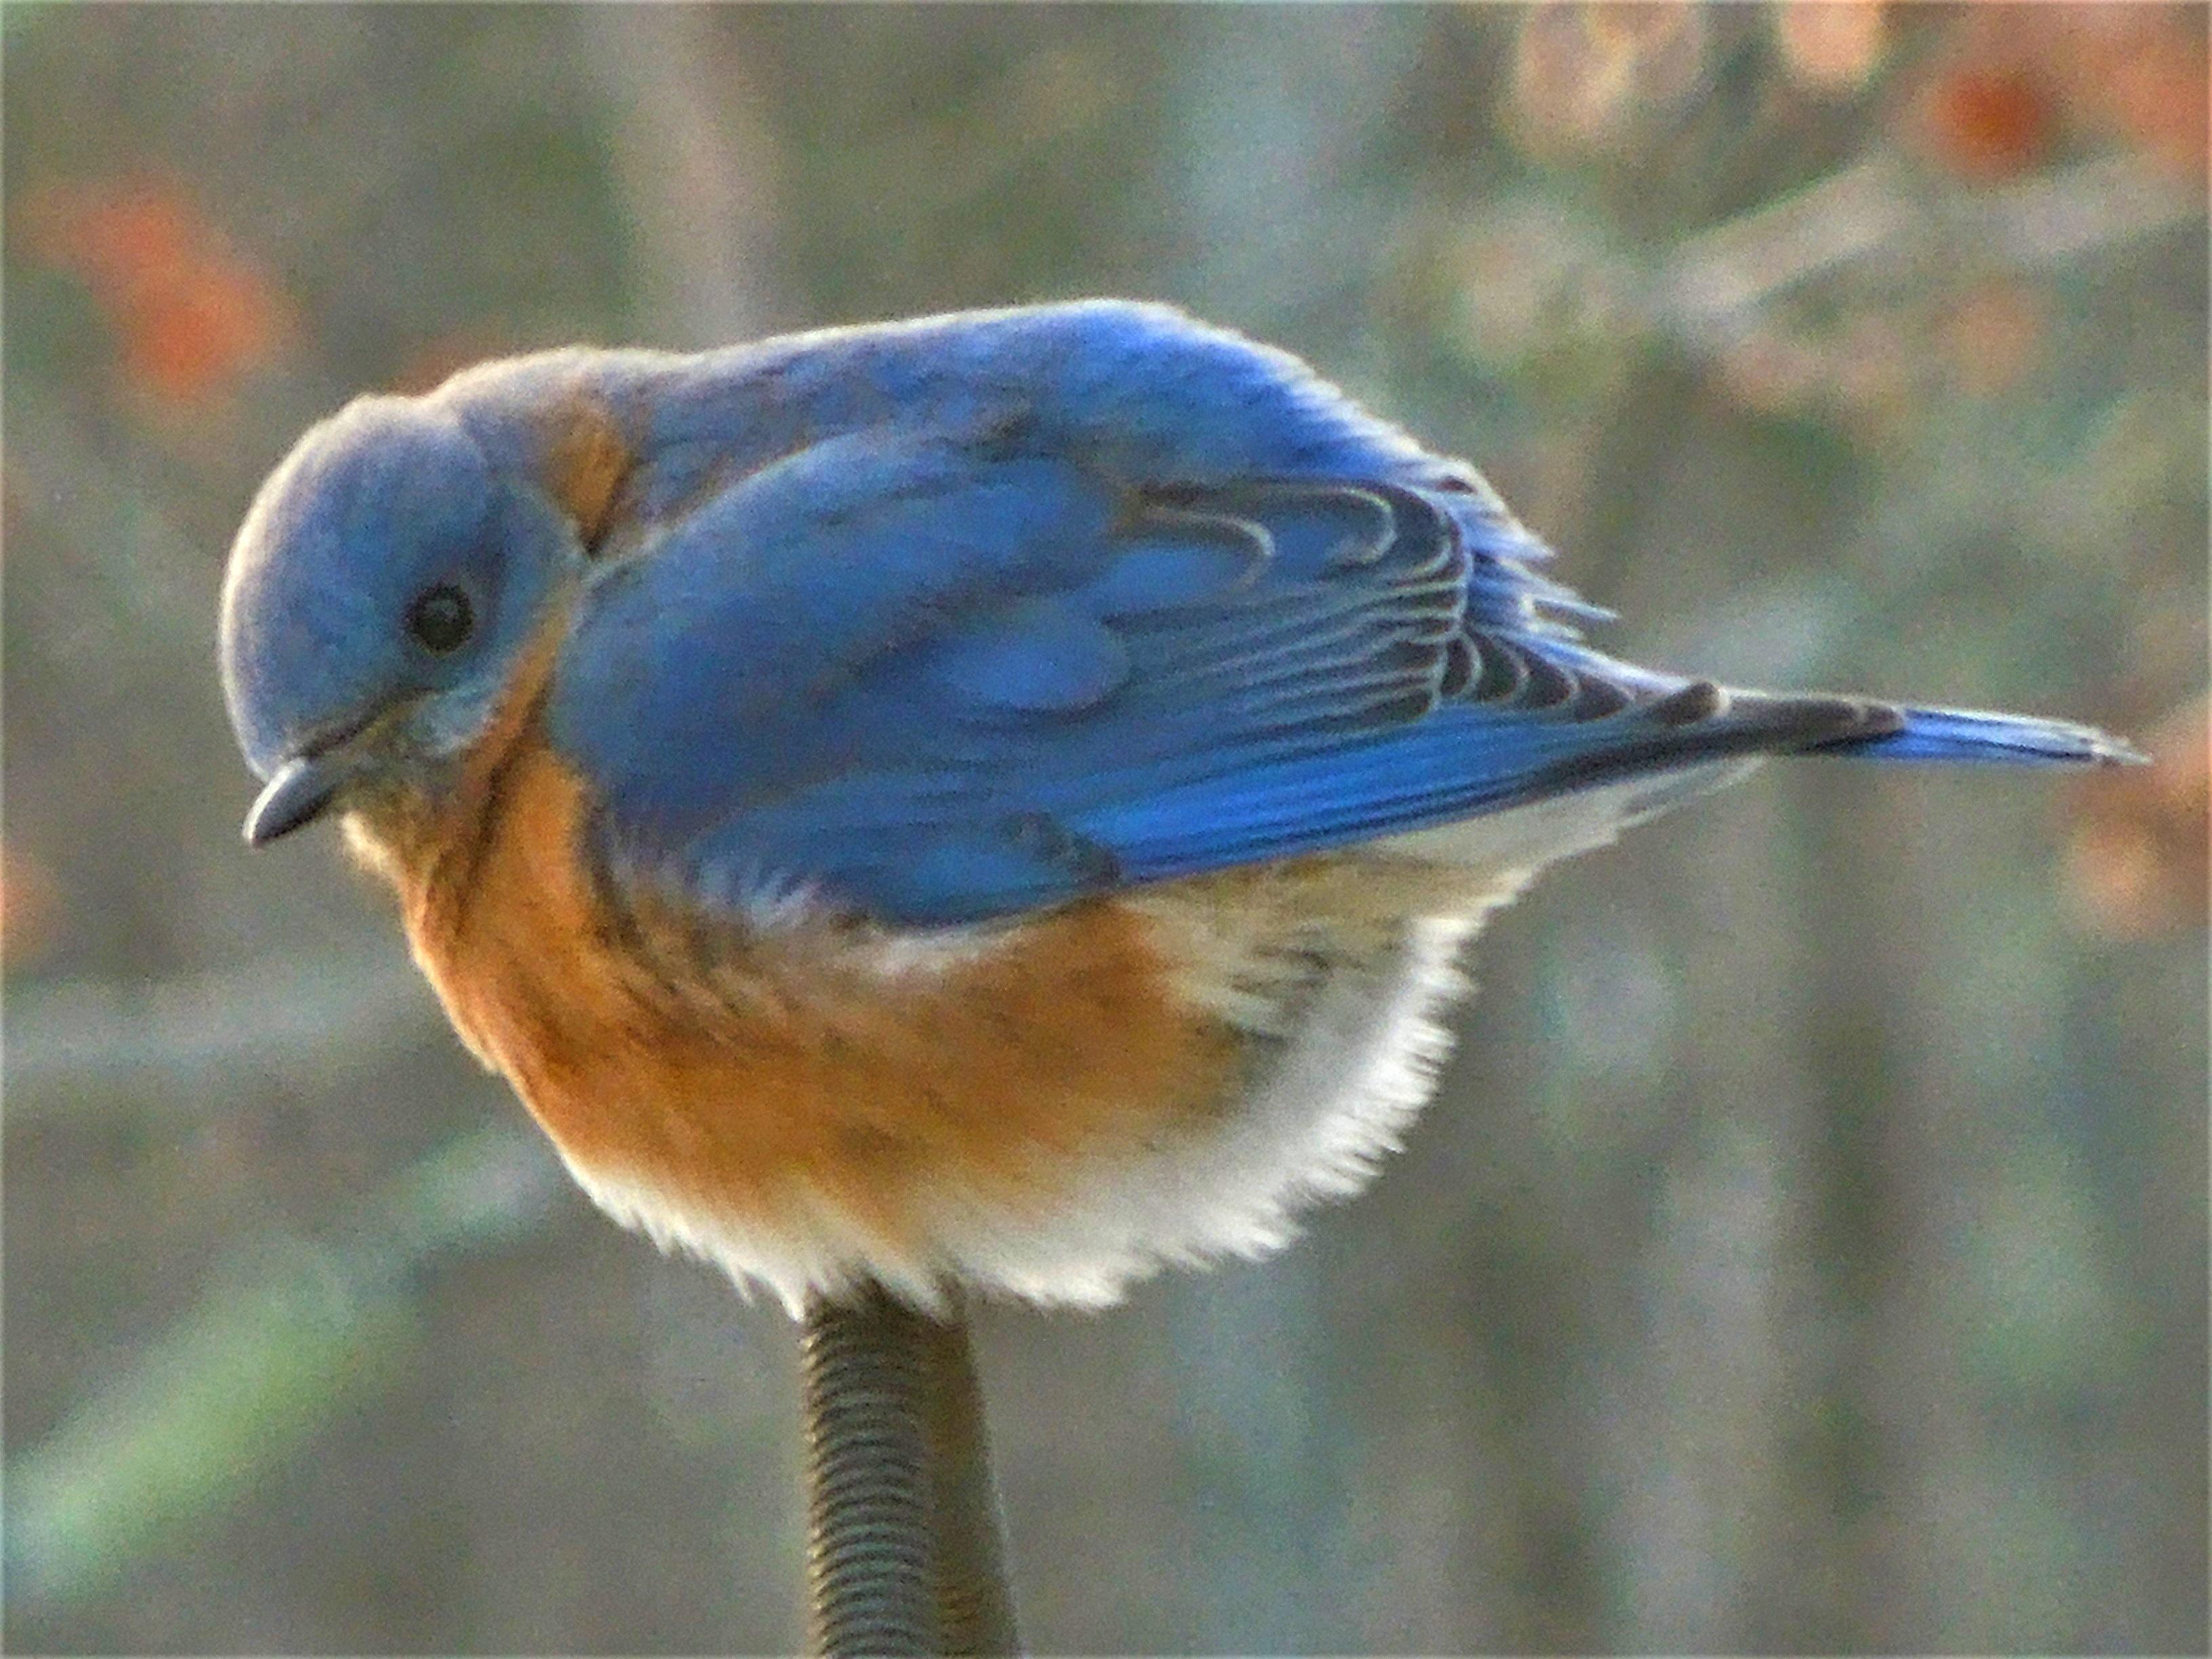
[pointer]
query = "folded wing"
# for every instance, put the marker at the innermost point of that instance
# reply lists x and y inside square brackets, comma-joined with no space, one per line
[940,686]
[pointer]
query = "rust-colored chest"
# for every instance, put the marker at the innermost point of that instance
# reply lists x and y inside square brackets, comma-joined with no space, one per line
[744,1072]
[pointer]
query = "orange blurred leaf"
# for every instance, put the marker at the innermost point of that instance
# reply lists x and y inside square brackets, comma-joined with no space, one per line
[2154,95]
[30,909]
[2138,860]
[2013,80]
[1989,124]
[1830,45]
[191,313]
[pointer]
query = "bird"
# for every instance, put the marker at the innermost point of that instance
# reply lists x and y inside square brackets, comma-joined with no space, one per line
[989,802]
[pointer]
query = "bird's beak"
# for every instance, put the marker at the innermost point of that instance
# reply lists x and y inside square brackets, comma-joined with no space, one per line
[300,793]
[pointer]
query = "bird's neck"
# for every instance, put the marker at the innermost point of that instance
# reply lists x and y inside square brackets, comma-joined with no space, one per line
[429,839]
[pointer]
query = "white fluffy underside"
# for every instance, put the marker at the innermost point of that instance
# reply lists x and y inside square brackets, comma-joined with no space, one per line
[1326,1103]
[1335,1099]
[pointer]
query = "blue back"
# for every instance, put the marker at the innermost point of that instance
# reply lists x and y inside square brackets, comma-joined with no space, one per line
[957,618]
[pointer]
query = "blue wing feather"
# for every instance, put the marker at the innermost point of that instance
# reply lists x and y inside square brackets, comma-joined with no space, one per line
[1042,604]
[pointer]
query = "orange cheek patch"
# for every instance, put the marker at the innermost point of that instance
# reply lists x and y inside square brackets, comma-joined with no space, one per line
[788,1068]
[586,465]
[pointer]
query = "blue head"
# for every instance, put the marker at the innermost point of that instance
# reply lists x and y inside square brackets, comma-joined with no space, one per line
[381,590]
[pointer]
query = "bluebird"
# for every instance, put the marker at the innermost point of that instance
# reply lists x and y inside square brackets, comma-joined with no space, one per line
[990,800]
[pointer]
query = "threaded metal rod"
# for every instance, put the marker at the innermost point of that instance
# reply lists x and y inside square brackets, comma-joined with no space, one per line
[974,1604]
[871,1564]
[903,1551]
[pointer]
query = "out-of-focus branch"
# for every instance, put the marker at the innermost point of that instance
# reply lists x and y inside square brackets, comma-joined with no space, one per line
[236,1386]
[1881,210]
[696,163]
[94,1045]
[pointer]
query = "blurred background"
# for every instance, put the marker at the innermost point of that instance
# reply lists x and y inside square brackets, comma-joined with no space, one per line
[1808,1248]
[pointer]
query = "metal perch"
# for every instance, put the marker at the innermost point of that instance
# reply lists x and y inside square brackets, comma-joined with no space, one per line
[904,1553]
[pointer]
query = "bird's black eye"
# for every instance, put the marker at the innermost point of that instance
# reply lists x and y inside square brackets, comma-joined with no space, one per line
[442,619]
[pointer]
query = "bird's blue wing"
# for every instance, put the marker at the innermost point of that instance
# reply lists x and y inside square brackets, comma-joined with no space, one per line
[939,686]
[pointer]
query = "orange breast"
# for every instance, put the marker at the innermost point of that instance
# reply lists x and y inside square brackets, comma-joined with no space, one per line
[796,1066]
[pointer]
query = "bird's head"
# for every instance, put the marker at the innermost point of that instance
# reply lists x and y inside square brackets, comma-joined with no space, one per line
[383,588]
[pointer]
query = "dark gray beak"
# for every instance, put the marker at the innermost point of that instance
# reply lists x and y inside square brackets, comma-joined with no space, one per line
[299,794]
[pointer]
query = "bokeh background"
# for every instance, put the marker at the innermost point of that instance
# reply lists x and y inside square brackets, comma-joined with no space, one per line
[1808,1249]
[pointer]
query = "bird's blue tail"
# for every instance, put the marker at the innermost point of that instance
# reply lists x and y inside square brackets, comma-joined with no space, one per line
[1975,735]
